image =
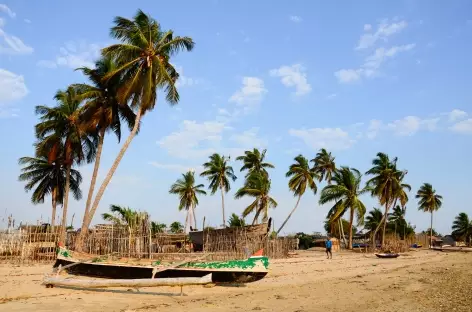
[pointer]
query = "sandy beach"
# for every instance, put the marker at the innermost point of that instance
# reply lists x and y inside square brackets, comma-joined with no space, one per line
[417,281]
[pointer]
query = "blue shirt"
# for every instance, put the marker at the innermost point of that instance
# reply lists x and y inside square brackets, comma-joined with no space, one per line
[328,244]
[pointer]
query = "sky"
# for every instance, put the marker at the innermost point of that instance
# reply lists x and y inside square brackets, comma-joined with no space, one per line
[355,77]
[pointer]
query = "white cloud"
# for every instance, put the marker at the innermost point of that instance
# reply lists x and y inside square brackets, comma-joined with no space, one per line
[330,138]
[374,127]
[2,22]
[27,21]
[12,87]
[331,96]
[251,93]
[183,80]
[409,125]
[188,141]
[372,64]
[7,10]
[249,139]
[73,55]
[384,30]
[176,167]
[464,126]
[293,76]
[295,18]
[12,45]
[457,114]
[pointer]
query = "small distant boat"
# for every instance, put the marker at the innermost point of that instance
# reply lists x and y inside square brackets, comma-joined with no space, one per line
[236,271]
[387,255]
[416,246]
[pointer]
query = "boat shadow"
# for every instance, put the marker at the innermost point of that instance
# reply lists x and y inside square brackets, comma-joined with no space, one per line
[128,291]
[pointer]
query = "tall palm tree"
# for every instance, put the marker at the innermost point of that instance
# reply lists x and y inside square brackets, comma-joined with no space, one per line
[373,220]
[429,201]
[345,192]
[253,161]
[396,217]
[61,135]
[219,173]
[48,179]
[101,113]
[187,191]
[324,165]
[257,186]
[462,227]
[143,61]
[301,178]
[385,185]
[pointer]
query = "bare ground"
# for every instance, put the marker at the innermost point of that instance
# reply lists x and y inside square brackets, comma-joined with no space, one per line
[417,281]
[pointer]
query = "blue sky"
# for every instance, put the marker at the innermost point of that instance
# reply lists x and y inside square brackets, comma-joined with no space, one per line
[354,77]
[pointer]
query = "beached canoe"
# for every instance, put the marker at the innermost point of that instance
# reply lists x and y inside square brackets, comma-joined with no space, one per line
[387,255]
[236,271]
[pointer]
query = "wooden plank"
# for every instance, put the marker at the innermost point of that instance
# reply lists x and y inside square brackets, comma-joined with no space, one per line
[103,283]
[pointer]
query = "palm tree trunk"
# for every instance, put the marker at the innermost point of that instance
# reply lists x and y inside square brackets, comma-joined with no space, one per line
[341,232]
[54,206]
[290,214]
[431,232]
[64,206]
[351,219]
[384,225]
[223,205]
[101,191]
[186,222]
[79,241]
[378,227]
[194,218]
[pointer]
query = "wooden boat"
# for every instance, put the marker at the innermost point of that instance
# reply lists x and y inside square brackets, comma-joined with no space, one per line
[387,255]
[236,271]
[452,249]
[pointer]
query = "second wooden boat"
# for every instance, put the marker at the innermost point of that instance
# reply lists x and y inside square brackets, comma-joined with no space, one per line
[387,255]
[235,271]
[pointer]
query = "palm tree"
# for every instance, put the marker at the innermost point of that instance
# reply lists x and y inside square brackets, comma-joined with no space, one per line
[257,186]
[324,165]
[101,113]
[462,227]
[429,201]
[61,136]
[373,221]
[187,191]
[301,178]
[236,221]
[345,193]
[125,216]
[176,227]
[218,173]
[143,66]
[396,217]
[385,185]
[253,161]
[157,227]
[48,179]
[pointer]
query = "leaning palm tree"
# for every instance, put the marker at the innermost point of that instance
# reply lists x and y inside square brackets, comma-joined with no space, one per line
[253,161]
[462,227]
[61,135]
[345,193]
[257,186]
[396,217]
[143,61]
[48,179]
[324,165]
[429,201]
[373,221]
[187,191]
[101,112]
[219,173]
[301,178]
[385,185]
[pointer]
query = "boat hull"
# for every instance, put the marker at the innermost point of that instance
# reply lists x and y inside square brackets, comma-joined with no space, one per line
[116,271]
[387,256]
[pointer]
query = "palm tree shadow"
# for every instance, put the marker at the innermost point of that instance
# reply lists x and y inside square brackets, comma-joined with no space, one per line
[117,291]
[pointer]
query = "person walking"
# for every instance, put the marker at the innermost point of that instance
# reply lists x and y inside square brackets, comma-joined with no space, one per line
[328,245]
